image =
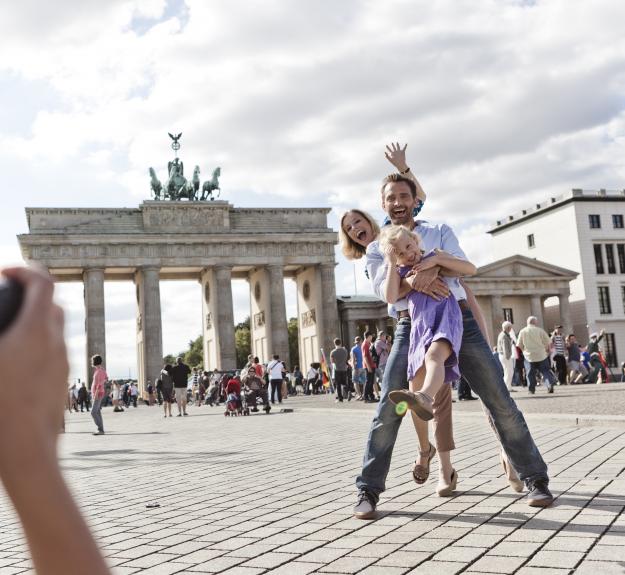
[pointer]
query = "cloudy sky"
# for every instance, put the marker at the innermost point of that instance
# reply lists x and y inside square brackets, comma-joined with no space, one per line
[502,102]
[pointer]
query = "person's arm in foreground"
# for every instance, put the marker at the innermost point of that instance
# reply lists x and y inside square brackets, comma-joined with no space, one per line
[58,537]
[396,155]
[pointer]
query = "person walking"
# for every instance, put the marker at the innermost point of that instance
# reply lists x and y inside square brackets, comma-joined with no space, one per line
[338,359]
[382,349]
[357,368]
[505,351]
[535,343]
[150,389]
[592,348]
[559,354]
[165,387]
[134,393]
[180,374]
[275,368]
[83,397]
[369,365]
[97,392]
[576,370]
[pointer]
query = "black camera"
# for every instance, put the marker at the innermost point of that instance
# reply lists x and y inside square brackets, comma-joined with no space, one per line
[11,295]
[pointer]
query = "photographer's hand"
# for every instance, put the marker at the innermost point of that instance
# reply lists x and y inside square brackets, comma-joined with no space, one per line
[33,383]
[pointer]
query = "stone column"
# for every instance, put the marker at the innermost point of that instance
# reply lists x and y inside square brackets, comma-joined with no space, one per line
[279,331]
[352,332]
[536,307]
[149,325]
[225,318]
[565,310]
[497,314]
[328,307]
[93,279]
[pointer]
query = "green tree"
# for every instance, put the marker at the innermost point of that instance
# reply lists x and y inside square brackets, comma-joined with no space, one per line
[169,359]
[194,356]
[242,341]
[293,330]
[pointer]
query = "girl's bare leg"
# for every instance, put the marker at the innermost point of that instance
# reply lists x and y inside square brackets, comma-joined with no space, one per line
[434,364]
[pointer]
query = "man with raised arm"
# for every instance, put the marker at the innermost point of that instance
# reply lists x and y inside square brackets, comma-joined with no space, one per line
[477,365]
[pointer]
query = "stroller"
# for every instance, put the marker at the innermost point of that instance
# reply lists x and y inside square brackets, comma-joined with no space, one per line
[234,401]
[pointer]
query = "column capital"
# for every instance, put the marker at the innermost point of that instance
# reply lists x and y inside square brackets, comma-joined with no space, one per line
[92,269]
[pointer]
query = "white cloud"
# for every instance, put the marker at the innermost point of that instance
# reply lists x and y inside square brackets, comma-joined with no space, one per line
[503,102]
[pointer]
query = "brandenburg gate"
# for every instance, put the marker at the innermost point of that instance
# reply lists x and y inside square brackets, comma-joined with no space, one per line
[209,241]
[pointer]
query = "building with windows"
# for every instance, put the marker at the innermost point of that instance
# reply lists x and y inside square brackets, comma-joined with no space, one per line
[582,231]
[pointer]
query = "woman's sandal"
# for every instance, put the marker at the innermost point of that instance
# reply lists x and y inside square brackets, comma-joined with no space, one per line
[510,473]
[420,473]
[447,490]
[418,402]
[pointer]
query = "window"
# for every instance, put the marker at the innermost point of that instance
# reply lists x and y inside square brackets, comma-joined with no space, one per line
[623,296]
[610,349]
[530,241]
[594,220]
[598,258]
[604,300]
[507,312]
[620,250]
[617,221]
[609,254]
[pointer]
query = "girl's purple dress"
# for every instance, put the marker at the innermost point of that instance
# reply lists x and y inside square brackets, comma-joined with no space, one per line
[433,320]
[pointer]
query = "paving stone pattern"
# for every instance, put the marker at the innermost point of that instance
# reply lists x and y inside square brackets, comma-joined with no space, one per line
[274,494]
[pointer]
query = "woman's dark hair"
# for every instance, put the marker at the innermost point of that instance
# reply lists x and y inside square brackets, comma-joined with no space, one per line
[96,360]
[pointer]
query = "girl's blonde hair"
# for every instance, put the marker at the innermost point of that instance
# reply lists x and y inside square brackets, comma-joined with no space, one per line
[352,250]
[390,235]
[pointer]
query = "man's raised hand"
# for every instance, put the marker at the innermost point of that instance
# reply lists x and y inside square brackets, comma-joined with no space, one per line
[396,155]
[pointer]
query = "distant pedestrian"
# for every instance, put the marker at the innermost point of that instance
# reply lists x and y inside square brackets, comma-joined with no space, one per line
[180,375]
[559,354]
[275,368]
[535,344]
[97,392]
[369,366]
[358,372]
[165,386]
[83,397]
[382,349]
[134,393]
[577,371]
[338,359]
[151,396]
[506,352]
[596,367]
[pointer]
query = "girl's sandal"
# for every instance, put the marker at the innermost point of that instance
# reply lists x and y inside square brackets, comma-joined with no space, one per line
[418,402]
[420,473]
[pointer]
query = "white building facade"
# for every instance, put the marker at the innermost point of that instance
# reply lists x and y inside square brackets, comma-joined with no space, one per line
[582,231]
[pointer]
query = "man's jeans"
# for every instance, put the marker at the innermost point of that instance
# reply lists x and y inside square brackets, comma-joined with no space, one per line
[96,413]
[484,375]
[543,368]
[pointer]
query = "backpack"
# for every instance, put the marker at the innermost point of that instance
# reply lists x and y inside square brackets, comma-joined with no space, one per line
[374,355]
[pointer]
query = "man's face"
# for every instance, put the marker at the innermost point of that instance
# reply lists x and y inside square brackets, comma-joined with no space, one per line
[398,202]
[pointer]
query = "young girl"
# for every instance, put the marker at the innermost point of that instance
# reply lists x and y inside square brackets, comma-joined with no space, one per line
[436,325]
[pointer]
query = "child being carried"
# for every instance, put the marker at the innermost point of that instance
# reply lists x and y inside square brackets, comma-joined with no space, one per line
[436,325]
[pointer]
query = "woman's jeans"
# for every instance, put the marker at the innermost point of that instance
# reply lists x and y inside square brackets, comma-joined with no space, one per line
[483,372]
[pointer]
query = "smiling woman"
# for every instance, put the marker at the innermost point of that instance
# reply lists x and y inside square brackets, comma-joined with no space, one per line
[357,230]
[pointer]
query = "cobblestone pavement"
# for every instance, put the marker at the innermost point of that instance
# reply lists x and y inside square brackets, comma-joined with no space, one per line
[274,494]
